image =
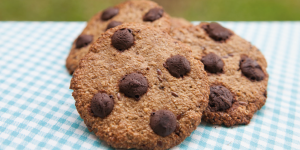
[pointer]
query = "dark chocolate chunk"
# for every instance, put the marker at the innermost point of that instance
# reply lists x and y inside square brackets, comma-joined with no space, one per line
[220,98]
[134,85]
[83,40]
[102,105]
[122,39]
[163,122]
[212,63]
[153,14]
[251,69]
[217,32]
[178,66]
[113,24]
[109,13]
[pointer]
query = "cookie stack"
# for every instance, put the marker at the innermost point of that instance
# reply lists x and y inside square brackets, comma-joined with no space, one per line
[144,80]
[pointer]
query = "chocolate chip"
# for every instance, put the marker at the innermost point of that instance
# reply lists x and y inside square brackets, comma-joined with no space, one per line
[109,13]
[122,39]
[212,63]
[163,122]
[220,98]
[134,85]
[83,40]
[113,24]
[217,32]
[102,105]
[251,69]
[153,14]
[266,93]
[178,66]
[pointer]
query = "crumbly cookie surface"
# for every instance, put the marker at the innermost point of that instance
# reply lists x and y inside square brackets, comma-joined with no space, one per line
[179,22]
[233,63]
[106,69]
[139,11]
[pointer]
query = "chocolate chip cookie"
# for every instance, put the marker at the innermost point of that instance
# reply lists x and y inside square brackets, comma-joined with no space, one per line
[236,71]
[145,12]
[140,88]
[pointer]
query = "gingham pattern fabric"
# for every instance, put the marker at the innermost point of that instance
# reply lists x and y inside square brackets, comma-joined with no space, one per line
[38,112]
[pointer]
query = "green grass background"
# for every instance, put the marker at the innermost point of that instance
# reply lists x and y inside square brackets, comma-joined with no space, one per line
[82,10]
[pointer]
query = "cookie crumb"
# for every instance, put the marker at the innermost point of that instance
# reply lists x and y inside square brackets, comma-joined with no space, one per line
[243,103]
[160,79]
[174,94]
[159,72]
[119,96]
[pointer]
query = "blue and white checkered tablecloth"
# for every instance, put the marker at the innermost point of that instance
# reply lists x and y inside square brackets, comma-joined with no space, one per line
[38,112]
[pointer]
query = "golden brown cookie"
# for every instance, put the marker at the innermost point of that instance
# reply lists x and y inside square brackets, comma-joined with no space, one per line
[140,88]
[142,11]
[236,71]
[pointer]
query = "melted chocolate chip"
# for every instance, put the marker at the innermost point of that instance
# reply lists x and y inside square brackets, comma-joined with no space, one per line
[83,40]
[134,85]
[217,32]
[122,39]
[102,105]
[212,63]
[109,13]
[220,98]
[113,24]
[153,14]
[163,122]
[251,69]
[178,66]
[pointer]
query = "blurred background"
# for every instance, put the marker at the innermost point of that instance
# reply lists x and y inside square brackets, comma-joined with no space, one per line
[83,10]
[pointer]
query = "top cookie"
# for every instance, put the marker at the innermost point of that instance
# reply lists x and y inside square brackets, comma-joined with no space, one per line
[236,71]
[139,88]
[142,11]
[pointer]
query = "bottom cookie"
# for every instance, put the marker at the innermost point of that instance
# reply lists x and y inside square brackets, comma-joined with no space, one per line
[236,71]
